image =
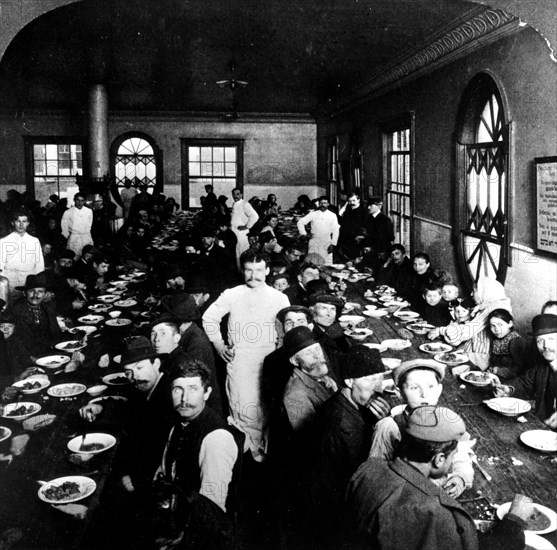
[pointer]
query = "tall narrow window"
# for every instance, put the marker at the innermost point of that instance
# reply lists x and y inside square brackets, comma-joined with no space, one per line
[483,156]
[397,175]
[135,160]
[332,169]
[210,162]
[54,165]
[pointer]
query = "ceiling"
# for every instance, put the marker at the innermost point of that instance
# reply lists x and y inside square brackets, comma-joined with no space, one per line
[297,55]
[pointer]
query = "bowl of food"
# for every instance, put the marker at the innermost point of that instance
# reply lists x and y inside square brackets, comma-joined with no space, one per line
[478,378]
[358,334]
[64,490]
[508,406]
[347,321]
[53,361]
[451,358]
[32,385]
[93,443]
[66,390]
[95,391]
[379,347]
[397,343]
[543,520]
[435,347]
[21,410]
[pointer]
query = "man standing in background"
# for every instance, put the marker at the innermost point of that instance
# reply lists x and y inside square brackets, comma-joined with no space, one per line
[76,225]
[243,219]
[324,232]
[20,253]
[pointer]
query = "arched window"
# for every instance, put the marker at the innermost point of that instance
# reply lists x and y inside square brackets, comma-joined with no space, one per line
[136,157]
[482,177]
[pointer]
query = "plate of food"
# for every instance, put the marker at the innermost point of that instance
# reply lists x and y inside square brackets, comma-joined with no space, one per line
[541,440]
[435,347]
[420,328]
[451,358]
[406,315]
[508,406]
[31,385]
[379,347]
[478,378]
[53,361]
[70,346]
[4,433]
[85,329]
[100,308]
[391,362]
[107,298]
[118,322]
[347,321]
[125,303]
[397,343]
[91,319]
[119,284]
[66,390]
[21,410]
[94,443]
[376,312]
[64,490]
[116,379]
[358,333]
[542,521]
[116,290]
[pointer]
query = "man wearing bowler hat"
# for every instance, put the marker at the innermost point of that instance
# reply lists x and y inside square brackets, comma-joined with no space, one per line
[35,320]
[540,381]
[395,505]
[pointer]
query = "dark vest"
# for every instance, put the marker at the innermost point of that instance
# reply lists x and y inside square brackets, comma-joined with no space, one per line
[182,457]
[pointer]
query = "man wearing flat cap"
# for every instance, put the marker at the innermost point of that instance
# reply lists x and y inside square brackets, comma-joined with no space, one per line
[395,505]
[343,430]
[540,381]
[310,384]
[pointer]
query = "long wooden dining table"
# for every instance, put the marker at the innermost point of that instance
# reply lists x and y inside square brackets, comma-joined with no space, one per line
[512,466]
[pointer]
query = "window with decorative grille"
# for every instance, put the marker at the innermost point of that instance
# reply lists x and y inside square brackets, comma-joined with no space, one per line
[210,162]
[135,160]
[483,208]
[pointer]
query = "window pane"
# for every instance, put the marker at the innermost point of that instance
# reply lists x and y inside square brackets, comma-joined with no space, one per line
[194,153]
[206,154]
[230,153]
[218,154]
[52,168]
[206,169]
[39,152]
[230,170]
[195,169]
[51,151]
[40,168]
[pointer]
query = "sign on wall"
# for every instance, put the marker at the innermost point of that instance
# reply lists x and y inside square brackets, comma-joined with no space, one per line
[546,204]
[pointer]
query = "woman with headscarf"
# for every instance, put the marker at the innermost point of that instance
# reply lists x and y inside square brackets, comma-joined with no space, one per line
[473,335]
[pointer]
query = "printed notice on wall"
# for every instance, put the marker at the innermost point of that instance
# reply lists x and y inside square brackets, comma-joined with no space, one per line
[546,181]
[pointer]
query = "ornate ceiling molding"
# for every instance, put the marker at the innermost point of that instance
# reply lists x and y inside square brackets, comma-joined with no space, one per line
[481,29]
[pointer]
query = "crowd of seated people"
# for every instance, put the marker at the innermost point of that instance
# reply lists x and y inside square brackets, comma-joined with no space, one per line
[245,375]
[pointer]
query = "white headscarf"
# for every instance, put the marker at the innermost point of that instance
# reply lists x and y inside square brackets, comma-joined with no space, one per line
[491,295]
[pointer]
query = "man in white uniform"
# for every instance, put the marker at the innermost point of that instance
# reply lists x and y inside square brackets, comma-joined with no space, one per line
[324,232]
[76,225]
[252,309]
[20,253]
[242,220]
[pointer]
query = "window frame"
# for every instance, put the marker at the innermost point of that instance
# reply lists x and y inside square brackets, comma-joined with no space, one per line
[115,146]
[29,144]
[479,91]
[186,143]
[387,128]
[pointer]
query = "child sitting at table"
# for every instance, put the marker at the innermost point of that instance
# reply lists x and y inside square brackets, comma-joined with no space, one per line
[418,382]
[450,292]
[433,309]
[508,349]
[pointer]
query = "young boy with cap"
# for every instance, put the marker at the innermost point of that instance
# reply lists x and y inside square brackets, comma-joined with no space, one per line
[540,381]
[395,505]
[418,382]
